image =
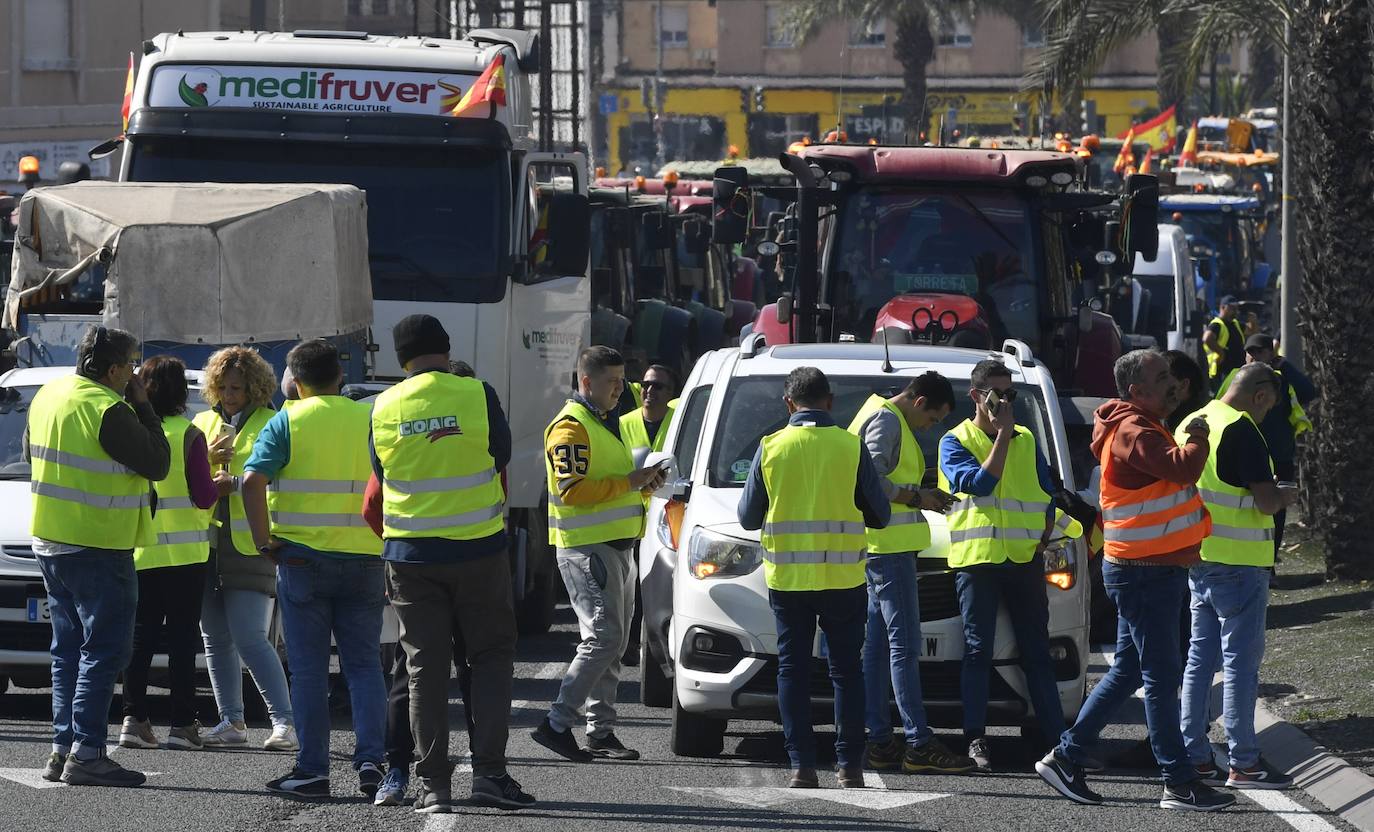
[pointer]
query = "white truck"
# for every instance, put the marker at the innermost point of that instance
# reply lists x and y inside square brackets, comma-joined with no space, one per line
[465,219]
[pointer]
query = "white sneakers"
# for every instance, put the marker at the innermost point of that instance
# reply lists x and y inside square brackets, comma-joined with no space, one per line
[283,739]
[226,735]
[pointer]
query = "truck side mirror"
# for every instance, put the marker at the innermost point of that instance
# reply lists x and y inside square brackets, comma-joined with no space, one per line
[784,307]
[730,210]
[1140,213]
[570,218]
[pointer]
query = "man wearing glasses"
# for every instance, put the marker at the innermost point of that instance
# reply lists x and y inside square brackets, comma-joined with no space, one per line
[999,525]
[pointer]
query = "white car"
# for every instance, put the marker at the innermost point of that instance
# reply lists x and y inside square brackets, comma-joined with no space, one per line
[25,631]
[1173,315]
[711,645]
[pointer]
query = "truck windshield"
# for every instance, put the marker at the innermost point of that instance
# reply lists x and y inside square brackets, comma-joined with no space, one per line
[1221,232]
[435,217]
[979,244]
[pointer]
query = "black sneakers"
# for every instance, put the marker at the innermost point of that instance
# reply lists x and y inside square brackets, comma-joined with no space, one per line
[1259,776]
[300,784]
[500,792]
[52,771]
[935,758]
[369,779]
[433,800]
[1210,775]
[561,743]
[101,771]
[1194,797]
[885,756]
[611,748]
[1067,779]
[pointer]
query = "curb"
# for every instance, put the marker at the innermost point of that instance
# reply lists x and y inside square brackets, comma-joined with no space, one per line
[1333,782]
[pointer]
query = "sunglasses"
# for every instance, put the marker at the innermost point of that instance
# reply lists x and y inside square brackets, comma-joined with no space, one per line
[653,385]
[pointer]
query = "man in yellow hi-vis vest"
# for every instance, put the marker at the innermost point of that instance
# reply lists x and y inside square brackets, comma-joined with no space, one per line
[812,490]
[1223,340]
[1230,588]
[329,573]
[999,525]
[93,455]
[596,514]
[892,647]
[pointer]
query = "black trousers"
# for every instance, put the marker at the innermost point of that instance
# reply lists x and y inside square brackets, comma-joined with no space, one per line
[400,742]
[169,594]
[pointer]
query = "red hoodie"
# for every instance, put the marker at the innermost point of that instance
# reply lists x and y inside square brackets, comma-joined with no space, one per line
[1144,452]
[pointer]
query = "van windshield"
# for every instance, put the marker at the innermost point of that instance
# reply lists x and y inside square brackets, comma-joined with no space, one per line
[754,408]
[436,224]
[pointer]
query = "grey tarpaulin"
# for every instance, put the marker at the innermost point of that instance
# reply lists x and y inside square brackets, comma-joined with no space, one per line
[206,263]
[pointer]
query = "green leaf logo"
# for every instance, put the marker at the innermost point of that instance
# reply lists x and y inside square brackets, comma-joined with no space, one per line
[193,96]
[525,336]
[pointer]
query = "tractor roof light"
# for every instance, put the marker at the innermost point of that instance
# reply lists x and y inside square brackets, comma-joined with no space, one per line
[670,178]
[28,165]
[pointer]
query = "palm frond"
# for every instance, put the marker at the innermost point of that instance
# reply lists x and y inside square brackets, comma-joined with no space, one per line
[1219,22]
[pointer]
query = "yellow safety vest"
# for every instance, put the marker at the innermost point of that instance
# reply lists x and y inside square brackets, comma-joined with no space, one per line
[621,518]
[813,534]
[908,530]
[81,496]
[1008,523]
[1297,414]
[1214,359]
[635,434]
[209,422]
[183,536]
[1242,535]
[432,438]
[316,499]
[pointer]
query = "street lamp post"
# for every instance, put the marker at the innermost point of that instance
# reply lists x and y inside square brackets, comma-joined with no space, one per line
[1290,286]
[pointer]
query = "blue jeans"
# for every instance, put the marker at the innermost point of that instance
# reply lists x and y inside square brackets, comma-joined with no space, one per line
[1021,587]
[1229,605]
[322,596]
[93,599]
[841,613]
[892,649]
[234,624]
[1148,600]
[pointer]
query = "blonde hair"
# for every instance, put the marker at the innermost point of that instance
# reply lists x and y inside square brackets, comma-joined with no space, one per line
[259,381]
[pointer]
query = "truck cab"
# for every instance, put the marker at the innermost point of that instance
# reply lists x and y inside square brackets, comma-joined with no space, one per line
[1224,236]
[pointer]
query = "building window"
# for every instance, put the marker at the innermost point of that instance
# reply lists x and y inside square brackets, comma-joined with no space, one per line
[1032,37]
[957,33]
[868,34]
[780,34]
[48,35]
[672,27]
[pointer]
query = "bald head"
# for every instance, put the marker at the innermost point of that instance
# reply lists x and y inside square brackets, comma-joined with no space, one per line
[1254,389]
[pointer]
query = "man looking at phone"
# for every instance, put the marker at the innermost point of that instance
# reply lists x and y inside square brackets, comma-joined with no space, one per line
[892,647]
[596,514]
[1153,526]
[1230,587]
[95,443]
[998,528]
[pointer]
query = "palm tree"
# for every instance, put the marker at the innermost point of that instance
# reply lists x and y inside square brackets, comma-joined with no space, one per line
[915,22]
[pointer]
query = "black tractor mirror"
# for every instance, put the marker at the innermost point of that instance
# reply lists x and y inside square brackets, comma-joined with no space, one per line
[730,209]
[570,219]
[658,230]
[1140,217]
[696,236]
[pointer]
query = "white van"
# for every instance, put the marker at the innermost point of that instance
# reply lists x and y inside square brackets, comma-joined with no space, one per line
[710,637]
[1169,310]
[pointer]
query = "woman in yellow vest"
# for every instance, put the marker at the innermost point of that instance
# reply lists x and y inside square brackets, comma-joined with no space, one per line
[1230,588]
[237,607]
[171,572]
[812,491]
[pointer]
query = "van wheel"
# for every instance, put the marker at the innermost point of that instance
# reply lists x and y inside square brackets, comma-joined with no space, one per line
[694,735]
[655,688]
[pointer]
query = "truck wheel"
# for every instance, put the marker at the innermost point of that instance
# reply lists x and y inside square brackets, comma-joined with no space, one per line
[534,615]
[655,688]
[693,735]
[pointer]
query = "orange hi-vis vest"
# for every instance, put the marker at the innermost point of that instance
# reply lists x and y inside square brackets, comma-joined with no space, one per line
[1160,518]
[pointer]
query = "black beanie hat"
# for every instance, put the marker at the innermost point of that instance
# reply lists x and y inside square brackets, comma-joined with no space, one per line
[419,335]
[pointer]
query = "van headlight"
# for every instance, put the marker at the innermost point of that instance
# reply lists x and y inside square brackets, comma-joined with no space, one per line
[711,555]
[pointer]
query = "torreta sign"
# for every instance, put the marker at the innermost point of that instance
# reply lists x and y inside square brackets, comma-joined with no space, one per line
[307,88]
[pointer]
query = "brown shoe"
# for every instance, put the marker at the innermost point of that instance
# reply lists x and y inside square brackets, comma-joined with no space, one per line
[804,778]
[851,777]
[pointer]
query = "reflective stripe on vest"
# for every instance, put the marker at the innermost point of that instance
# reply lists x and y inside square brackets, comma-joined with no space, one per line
[1157,519]
[209,422]
[813,534]
[434,445]
[316,499]
[907,531]
[183,530]
[619,518]
[1241,535]
[81,496]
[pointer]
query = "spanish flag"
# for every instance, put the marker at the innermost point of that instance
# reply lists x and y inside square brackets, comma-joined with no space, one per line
[1189,154]
[1159,132]
[128,94]
[490,87]
[1145,162]
[1126,158]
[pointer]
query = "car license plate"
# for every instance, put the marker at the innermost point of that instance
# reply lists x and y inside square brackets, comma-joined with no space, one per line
[38,609]
[932,647]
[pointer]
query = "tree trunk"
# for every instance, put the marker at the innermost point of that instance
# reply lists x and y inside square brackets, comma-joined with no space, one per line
[1173,32]
[1334,102]
[1266,74]
[915,46]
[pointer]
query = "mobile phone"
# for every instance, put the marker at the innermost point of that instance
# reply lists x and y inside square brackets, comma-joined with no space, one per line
[991,401]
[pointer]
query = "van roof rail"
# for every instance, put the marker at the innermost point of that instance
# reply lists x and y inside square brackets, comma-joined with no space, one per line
[752,344]
[329,34]
[1019,350]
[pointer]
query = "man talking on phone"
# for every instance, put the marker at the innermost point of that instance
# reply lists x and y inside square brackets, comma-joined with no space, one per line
[95,444]
[999,525]
[596,514]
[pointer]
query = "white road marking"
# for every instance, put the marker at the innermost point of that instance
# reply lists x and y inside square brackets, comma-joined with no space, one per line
[878,798]
[1277,803]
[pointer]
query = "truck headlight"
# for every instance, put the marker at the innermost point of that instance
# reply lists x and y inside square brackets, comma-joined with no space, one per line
[1059,563]
[711,555]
